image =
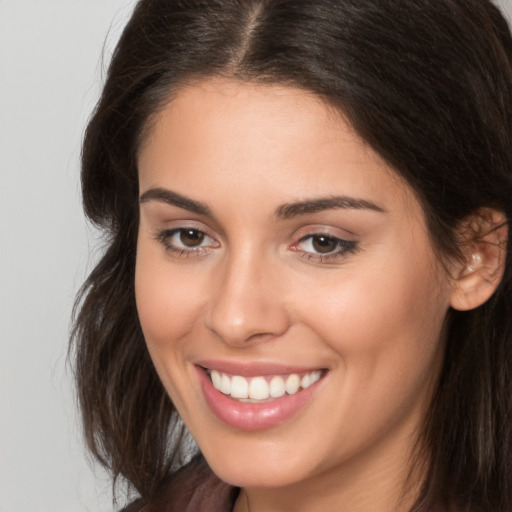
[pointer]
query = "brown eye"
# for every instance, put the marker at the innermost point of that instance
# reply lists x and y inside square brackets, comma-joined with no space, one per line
[325,248]
[191,237]
[190,241]
[324,244]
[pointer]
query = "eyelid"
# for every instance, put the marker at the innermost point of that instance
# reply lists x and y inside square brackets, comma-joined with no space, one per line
[161,225]
[324,229]
[165,235]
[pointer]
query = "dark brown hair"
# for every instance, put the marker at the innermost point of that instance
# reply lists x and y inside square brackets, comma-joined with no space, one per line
[428,84]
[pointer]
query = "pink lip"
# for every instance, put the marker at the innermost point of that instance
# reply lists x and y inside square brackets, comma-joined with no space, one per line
[250,416]
[253,369]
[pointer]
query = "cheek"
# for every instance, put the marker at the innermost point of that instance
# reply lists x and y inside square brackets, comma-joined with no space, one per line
[385,333]
[167,303]
[168,307]
[385,320]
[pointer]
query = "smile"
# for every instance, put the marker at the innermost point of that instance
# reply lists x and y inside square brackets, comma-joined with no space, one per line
[261,388]
[264,396]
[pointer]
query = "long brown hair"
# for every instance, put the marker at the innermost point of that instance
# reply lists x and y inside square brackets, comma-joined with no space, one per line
[428,84]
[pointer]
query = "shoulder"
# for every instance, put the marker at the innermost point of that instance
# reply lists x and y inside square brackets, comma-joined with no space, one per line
[194,488]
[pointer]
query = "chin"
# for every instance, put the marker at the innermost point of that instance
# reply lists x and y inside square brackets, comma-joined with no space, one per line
[259,464]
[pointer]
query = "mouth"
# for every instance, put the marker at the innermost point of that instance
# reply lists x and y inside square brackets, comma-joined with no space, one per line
[263,388]
[258,397]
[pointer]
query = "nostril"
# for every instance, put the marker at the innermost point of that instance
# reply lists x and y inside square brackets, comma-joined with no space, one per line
[262,337]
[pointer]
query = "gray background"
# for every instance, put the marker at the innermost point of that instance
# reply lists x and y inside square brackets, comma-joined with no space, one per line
[50,75]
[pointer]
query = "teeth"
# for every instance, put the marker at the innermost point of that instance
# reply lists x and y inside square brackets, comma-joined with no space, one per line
[316,376]
[239,387]
[225,385]
[259,388]
[292,384]
[306,381]
[217,380]
[277,388]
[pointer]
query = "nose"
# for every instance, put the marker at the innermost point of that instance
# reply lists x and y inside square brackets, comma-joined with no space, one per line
[246,306]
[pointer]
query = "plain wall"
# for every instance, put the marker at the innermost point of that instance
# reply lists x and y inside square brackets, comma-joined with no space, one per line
[50,75]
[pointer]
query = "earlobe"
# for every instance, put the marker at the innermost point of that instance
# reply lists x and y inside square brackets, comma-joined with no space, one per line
[484,239]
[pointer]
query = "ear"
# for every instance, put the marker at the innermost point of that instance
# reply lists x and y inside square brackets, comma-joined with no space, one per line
[483,237]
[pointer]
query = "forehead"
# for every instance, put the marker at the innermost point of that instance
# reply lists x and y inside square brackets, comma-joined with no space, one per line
[272,139]
[213,111]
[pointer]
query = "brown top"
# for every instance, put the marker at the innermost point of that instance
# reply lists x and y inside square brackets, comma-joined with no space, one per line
[194,488]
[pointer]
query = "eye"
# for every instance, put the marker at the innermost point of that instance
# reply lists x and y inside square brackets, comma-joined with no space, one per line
[189,237]
[323,246]
[186,241]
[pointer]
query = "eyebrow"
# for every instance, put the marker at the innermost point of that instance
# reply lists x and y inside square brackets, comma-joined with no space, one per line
[167,196]
[290,210]
[286,211]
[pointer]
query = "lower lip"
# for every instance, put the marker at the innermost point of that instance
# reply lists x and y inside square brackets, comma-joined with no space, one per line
[253,416]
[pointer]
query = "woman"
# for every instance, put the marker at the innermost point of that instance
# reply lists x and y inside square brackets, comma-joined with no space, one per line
[307,208]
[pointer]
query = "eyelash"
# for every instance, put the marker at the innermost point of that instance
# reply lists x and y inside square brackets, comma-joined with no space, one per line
[165,238]
[341,248]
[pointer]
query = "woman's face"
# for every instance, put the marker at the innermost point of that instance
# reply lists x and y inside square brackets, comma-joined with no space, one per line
[280,257]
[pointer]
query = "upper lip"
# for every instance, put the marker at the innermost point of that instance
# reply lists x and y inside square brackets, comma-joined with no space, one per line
[254,369]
